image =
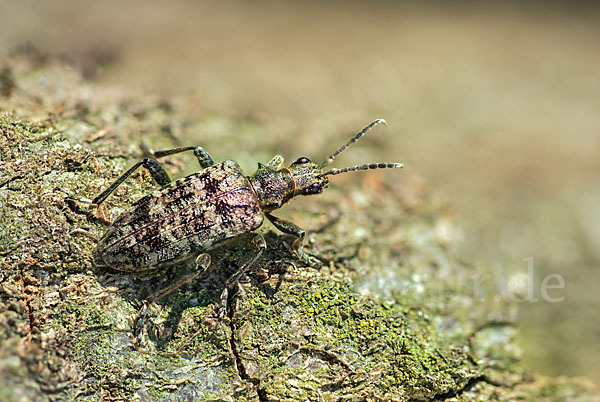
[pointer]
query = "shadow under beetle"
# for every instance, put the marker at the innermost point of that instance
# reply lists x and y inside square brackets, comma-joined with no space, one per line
[192,215]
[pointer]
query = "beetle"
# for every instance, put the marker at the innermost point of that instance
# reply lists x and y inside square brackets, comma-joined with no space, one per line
[188,217]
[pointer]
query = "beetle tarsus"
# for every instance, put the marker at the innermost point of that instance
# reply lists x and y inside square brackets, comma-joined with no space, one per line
[223,303]
[203,157]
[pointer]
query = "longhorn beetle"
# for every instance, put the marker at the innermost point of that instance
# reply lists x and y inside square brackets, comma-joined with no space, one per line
[192,215]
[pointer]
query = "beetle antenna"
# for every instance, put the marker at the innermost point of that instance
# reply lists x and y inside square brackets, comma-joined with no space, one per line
[352,141]
[366,166]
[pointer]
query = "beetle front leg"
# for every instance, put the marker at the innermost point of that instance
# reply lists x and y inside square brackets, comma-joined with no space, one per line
[298,233]
[288,227]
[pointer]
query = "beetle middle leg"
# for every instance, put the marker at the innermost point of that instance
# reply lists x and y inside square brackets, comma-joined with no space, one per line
[202,263]
[258,241]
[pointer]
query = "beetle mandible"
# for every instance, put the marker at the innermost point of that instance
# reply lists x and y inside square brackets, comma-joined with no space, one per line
[189,216]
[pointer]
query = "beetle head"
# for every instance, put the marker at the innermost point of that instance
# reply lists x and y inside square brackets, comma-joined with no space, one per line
[307,176]
[275,186]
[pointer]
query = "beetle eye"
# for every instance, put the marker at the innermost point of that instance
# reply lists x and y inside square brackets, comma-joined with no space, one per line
[301,161]
[314,188]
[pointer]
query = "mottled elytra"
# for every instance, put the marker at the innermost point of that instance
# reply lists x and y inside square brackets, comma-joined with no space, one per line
[188,217]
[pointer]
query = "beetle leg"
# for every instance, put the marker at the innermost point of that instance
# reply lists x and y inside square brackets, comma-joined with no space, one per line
[298,233]
[203,157]
[288,227]
[202,264]
[223,303]
[159,174]
[258,241]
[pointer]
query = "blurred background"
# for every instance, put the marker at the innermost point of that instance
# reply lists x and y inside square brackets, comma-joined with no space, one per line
[494,105]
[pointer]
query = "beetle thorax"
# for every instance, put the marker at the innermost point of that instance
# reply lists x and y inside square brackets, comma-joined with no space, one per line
[275,187]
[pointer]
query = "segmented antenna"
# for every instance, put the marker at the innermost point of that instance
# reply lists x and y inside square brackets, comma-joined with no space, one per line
[366,166]
[352,141]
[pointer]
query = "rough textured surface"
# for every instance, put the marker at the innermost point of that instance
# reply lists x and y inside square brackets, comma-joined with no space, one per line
[393,313]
